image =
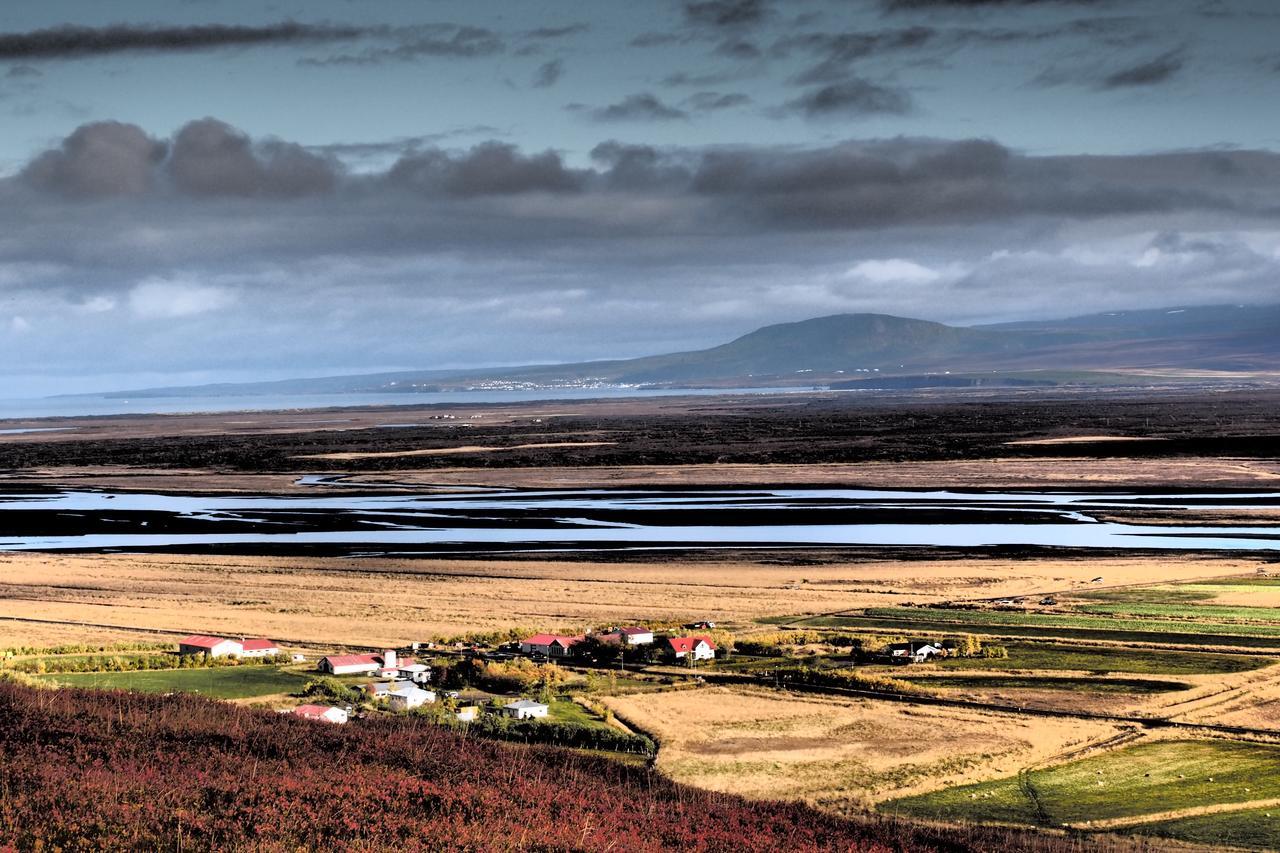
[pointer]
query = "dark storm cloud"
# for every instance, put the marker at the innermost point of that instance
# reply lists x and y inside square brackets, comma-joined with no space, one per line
[489,252]
[738,49]
[20,71]
[712,101]
[643,106]
[463,42]
[725,13]
[548,73]
[654,39]
[1153,72]
[101,159]
[557,32]
[837,52]
[70,42]
[488,169]
[850,98]
[911,5]
[210,158]
[852,185]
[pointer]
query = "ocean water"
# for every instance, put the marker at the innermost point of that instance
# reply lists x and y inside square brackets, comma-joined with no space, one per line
[83,406]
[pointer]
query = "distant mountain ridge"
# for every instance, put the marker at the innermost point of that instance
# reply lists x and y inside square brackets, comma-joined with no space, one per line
[1208,338]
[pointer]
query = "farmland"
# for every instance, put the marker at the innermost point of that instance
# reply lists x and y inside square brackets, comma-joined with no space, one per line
[1101,655]
[1147,778]
[239,682]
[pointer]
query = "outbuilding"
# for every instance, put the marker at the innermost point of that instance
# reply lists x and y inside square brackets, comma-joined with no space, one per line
[321,713]
[526,709]
[408,697]
[259,647]
[214,647]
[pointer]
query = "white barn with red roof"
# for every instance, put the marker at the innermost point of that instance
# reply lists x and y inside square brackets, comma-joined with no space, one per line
[385,665]
[699,648]
[322,713]
[259,647]
[214,647]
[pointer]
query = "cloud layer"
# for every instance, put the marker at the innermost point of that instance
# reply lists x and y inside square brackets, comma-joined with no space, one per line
[212,248]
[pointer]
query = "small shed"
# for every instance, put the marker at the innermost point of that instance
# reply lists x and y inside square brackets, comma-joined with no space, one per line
[321,713]
[526,709]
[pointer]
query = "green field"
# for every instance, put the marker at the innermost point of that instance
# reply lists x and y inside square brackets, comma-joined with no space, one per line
[1252,828]
[224,682]
[1148,778]
[931,621]
[1049,682]
[1052,656]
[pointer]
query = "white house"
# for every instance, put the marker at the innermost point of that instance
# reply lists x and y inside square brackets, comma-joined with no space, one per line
[699,648]
[409,697]
[382,689]
[525,709]
[214,647]
[418,673]
[324,713]
[634,636]
[915,651]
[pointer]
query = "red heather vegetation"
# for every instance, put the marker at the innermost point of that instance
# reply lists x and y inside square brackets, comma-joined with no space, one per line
[107,770]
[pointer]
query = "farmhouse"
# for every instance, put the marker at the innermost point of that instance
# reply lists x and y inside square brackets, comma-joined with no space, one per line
[385,665]
[525,709]
[324,713]
[698,648]
[550,645]
[382,689]
[913,651]
[408,697]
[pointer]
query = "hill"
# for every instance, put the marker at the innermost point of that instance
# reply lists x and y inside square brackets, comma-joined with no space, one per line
[1112,346]
[87,770]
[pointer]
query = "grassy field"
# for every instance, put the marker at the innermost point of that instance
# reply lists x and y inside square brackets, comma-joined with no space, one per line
[1148,778]
[1049,682]
[1050,656]
[239,682]
[836,752]
[321,601]
[1249,828]
[1053,626]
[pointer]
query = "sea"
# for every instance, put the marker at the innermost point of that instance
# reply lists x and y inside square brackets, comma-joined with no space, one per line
[89,405]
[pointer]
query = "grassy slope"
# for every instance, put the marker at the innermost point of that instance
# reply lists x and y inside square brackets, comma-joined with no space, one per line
[1050,656]
[219,682]
[1034,682]
[1254,828]
[1148,778]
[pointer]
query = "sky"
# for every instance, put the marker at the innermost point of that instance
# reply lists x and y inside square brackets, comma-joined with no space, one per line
[216,190]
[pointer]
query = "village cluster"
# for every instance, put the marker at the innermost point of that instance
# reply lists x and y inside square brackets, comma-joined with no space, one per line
[403,683]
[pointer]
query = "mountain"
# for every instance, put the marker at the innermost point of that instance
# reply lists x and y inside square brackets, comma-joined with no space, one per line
[1207,338]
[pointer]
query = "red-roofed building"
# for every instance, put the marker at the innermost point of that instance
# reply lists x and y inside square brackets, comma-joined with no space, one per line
[385,664]
[323,713]
[551,645]
[259,647]
[214,647]
[700,648]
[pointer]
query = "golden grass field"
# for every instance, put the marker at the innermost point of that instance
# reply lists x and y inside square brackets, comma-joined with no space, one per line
[371,602]
[839,754]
